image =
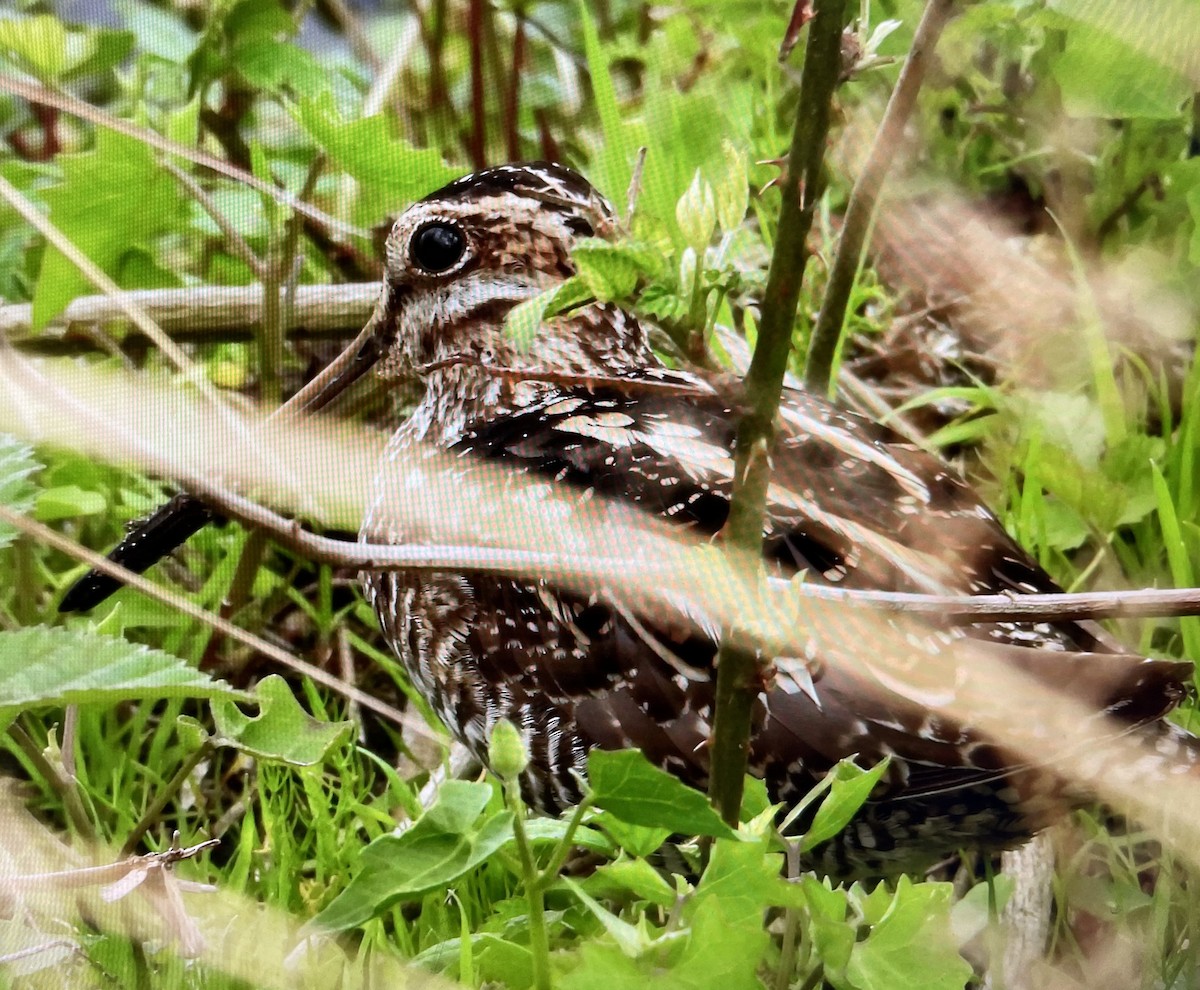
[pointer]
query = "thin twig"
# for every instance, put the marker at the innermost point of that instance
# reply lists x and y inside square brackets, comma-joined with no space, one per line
[861,206]
[477,141]
[738,668]
[202,310]
[236,242]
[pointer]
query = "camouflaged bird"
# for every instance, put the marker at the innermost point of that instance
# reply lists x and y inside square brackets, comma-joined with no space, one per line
[592,408]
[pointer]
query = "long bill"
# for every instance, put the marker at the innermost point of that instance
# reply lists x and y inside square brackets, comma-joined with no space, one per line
[185,515]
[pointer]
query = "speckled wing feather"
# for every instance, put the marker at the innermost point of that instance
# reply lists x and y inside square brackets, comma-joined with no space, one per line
[850,505]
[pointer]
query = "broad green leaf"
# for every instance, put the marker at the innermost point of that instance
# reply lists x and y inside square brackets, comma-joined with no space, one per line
[37,45]
[50,667]
[450,839]
[282,731]
[68,501]
[725,947]
[392,172]
[696,213]
[731,189]
[632,940]
[637,840]
[100,49]
[110,200]
[603,966]
[634,876]
[549,831]
[624,783]
[917,915]
[851,787]
[726,939]
[970,916]
[17,492]
[611,271]
[833,938]
[1102,75]
[525,319]
[280,66]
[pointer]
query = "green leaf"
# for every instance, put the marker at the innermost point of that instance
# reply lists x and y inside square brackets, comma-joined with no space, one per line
[611,271]
[392,172]
[917,915]
[45,48]
[50,667]
[280,66]
[727,940]
[634,876]
[637,840]
[731,190]
[696,213]
[632,940]
[833,938]
[448,840]
[525,319]
[110,200]
[624,783]
[17,492]
[68,501]
[36,44]
[603,966]
[851,787]
[1101,75]
[282,731]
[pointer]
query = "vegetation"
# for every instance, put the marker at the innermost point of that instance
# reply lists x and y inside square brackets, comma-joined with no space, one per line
[1026,303]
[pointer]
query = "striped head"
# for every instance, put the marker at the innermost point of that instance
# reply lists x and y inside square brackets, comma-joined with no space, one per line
[461,258]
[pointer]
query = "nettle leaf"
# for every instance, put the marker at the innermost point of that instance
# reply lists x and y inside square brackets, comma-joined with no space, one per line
[1102,75]
[36,44]
[279,66]
[634,876]
[392,172]
[525,319]
[833,938]
[637,840]
[916,915]
[44,667]
[851,787]
[110,200]
[282,731]
[454,836]
[68,501]
[17,491]
[44,47]
[632,940]
[611,271]
[625,784]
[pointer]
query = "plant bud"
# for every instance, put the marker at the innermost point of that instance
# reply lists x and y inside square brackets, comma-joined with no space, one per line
[507,754]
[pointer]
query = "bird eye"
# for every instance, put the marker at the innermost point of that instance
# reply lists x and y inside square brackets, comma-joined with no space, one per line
[436,247]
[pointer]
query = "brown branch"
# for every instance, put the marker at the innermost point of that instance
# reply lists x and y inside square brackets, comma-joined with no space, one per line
[512,101]
[828,329]
[739,673]
[201,310]
[477,141]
